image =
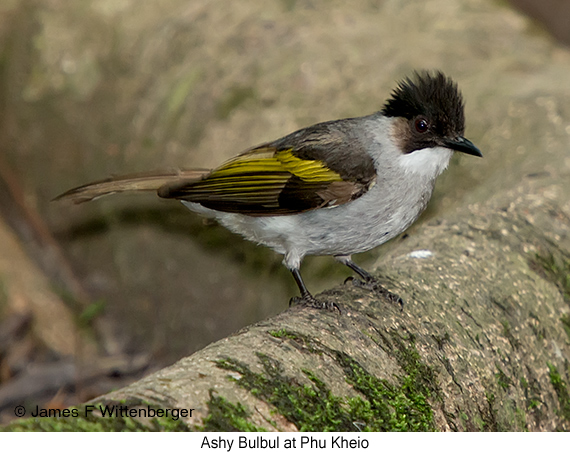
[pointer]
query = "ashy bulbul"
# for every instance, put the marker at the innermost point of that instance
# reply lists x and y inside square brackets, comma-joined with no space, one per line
[335,188]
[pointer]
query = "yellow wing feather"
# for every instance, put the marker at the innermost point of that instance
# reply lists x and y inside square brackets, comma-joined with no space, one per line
[266,181]
[269,161]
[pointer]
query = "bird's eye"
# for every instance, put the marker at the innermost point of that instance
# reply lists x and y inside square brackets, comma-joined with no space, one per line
[422,125]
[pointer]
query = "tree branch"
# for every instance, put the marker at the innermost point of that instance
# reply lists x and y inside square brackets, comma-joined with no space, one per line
[480,344]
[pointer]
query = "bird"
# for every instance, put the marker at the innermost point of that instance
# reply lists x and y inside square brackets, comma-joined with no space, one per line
[335,188]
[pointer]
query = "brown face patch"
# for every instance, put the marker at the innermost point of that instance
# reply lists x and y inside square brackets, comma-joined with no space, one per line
[401,134]
[408,139]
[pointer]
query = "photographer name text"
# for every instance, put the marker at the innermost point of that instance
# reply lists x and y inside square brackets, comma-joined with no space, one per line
[113,411]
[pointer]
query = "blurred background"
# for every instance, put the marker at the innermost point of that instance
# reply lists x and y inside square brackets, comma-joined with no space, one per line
[97,295]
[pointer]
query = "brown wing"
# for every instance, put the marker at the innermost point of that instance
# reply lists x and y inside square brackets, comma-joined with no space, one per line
[271,180]
[320,166]
[133,182]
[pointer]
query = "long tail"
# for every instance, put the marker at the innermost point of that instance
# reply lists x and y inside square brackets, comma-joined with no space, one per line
[133,182]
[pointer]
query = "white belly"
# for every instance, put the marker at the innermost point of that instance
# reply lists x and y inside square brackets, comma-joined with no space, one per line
[357,226]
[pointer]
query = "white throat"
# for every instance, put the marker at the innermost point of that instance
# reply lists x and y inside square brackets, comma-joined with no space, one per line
[430,162]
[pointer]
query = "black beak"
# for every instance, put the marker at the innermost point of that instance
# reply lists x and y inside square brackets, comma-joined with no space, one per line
[461,144]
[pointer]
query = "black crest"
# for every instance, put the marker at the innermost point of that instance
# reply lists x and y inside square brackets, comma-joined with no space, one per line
[434,96]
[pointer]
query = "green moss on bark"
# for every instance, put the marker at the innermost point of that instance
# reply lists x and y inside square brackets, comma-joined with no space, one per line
[382,406]
[561,390]
[224,416]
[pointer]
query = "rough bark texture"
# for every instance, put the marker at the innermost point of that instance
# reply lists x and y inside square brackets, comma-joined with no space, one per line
[479,346]
[483,342]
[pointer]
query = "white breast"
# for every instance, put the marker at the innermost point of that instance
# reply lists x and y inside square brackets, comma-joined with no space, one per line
[429,162]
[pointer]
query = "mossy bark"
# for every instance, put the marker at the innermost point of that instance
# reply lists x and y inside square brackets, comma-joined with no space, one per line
[481,343]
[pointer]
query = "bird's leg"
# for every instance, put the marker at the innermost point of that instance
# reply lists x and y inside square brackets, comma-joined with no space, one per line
[306,299]
[368,281]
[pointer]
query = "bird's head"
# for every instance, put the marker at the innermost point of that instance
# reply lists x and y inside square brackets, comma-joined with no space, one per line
[429,113]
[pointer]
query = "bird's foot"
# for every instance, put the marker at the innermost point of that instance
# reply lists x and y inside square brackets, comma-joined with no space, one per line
[311,302]
[374,285]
